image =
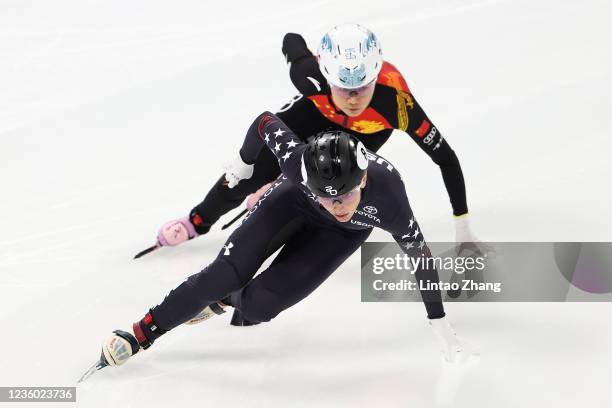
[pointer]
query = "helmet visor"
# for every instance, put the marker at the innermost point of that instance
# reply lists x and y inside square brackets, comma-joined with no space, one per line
[348,92]
[346,198]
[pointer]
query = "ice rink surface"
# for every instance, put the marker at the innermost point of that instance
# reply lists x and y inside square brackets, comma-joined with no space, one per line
[117,116]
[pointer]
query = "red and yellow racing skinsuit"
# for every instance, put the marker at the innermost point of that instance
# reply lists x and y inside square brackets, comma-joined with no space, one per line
[393,106]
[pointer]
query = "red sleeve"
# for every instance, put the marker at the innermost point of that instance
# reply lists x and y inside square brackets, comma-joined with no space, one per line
[391,77]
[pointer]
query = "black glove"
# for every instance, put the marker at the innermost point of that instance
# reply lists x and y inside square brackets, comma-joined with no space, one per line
[294,47]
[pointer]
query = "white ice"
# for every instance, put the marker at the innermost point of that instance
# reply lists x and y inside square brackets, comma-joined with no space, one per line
[117,116]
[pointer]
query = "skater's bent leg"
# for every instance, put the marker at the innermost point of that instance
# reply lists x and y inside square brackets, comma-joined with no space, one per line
[296,272]
[292,228]
[237,262]
[222,199]
[198,291]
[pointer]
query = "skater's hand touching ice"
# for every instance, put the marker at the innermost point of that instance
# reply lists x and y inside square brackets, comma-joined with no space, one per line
[467,240]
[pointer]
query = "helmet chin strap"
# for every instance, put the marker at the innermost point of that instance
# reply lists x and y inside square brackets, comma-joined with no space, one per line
[364,181]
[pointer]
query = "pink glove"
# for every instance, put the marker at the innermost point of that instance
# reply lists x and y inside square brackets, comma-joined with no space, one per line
[253,198]
[175,232]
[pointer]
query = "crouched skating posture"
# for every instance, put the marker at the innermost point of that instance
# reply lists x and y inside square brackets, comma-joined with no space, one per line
[330,187]
[347,86]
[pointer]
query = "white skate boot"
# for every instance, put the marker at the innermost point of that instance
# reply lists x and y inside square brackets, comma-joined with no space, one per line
[119,347]
[209,311]
[116,350]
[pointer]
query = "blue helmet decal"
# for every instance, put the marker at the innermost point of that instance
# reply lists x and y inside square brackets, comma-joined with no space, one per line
[371,41]
[326,43]
[352,78]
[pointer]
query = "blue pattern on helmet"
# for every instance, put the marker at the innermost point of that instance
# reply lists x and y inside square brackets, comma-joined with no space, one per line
[352,78]
[372,41]
[326,43]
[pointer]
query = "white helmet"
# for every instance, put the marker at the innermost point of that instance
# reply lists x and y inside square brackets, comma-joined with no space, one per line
[350,56]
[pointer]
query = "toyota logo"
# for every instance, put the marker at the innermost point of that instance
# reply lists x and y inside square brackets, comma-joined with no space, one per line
[370,210]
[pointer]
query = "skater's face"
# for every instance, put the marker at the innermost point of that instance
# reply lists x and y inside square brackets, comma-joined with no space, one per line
[343,207]
[353,101]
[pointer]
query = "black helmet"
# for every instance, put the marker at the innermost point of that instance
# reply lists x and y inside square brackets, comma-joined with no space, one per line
[334,163]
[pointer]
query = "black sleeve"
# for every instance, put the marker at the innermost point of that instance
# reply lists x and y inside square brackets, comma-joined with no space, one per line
[268,130]
[406,231]
[303,117]
[303,66]
[431,141]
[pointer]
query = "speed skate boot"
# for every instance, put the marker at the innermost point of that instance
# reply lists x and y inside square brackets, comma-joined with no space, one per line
[215,308]
[116,350]
[121,345]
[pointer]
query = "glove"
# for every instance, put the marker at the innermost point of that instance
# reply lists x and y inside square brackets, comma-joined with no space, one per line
[450,344]
[237,170]
[294,47]
[458,360]
[463,232]
[466,238]
[253,198]
[175,232]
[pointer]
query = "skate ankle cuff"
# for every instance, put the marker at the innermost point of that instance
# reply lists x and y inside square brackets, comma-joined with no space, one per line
[140,337]
[146,331]
[200,226]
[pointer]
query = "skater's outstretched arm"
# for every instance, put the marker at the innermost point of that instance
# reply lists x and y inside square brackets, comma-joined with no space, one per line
[307,78]
[429,138]
[406,231]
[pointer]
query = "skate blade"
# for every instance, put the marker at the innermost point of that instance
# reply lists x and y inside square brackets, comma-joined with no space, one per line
[100,364]
[148,250]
